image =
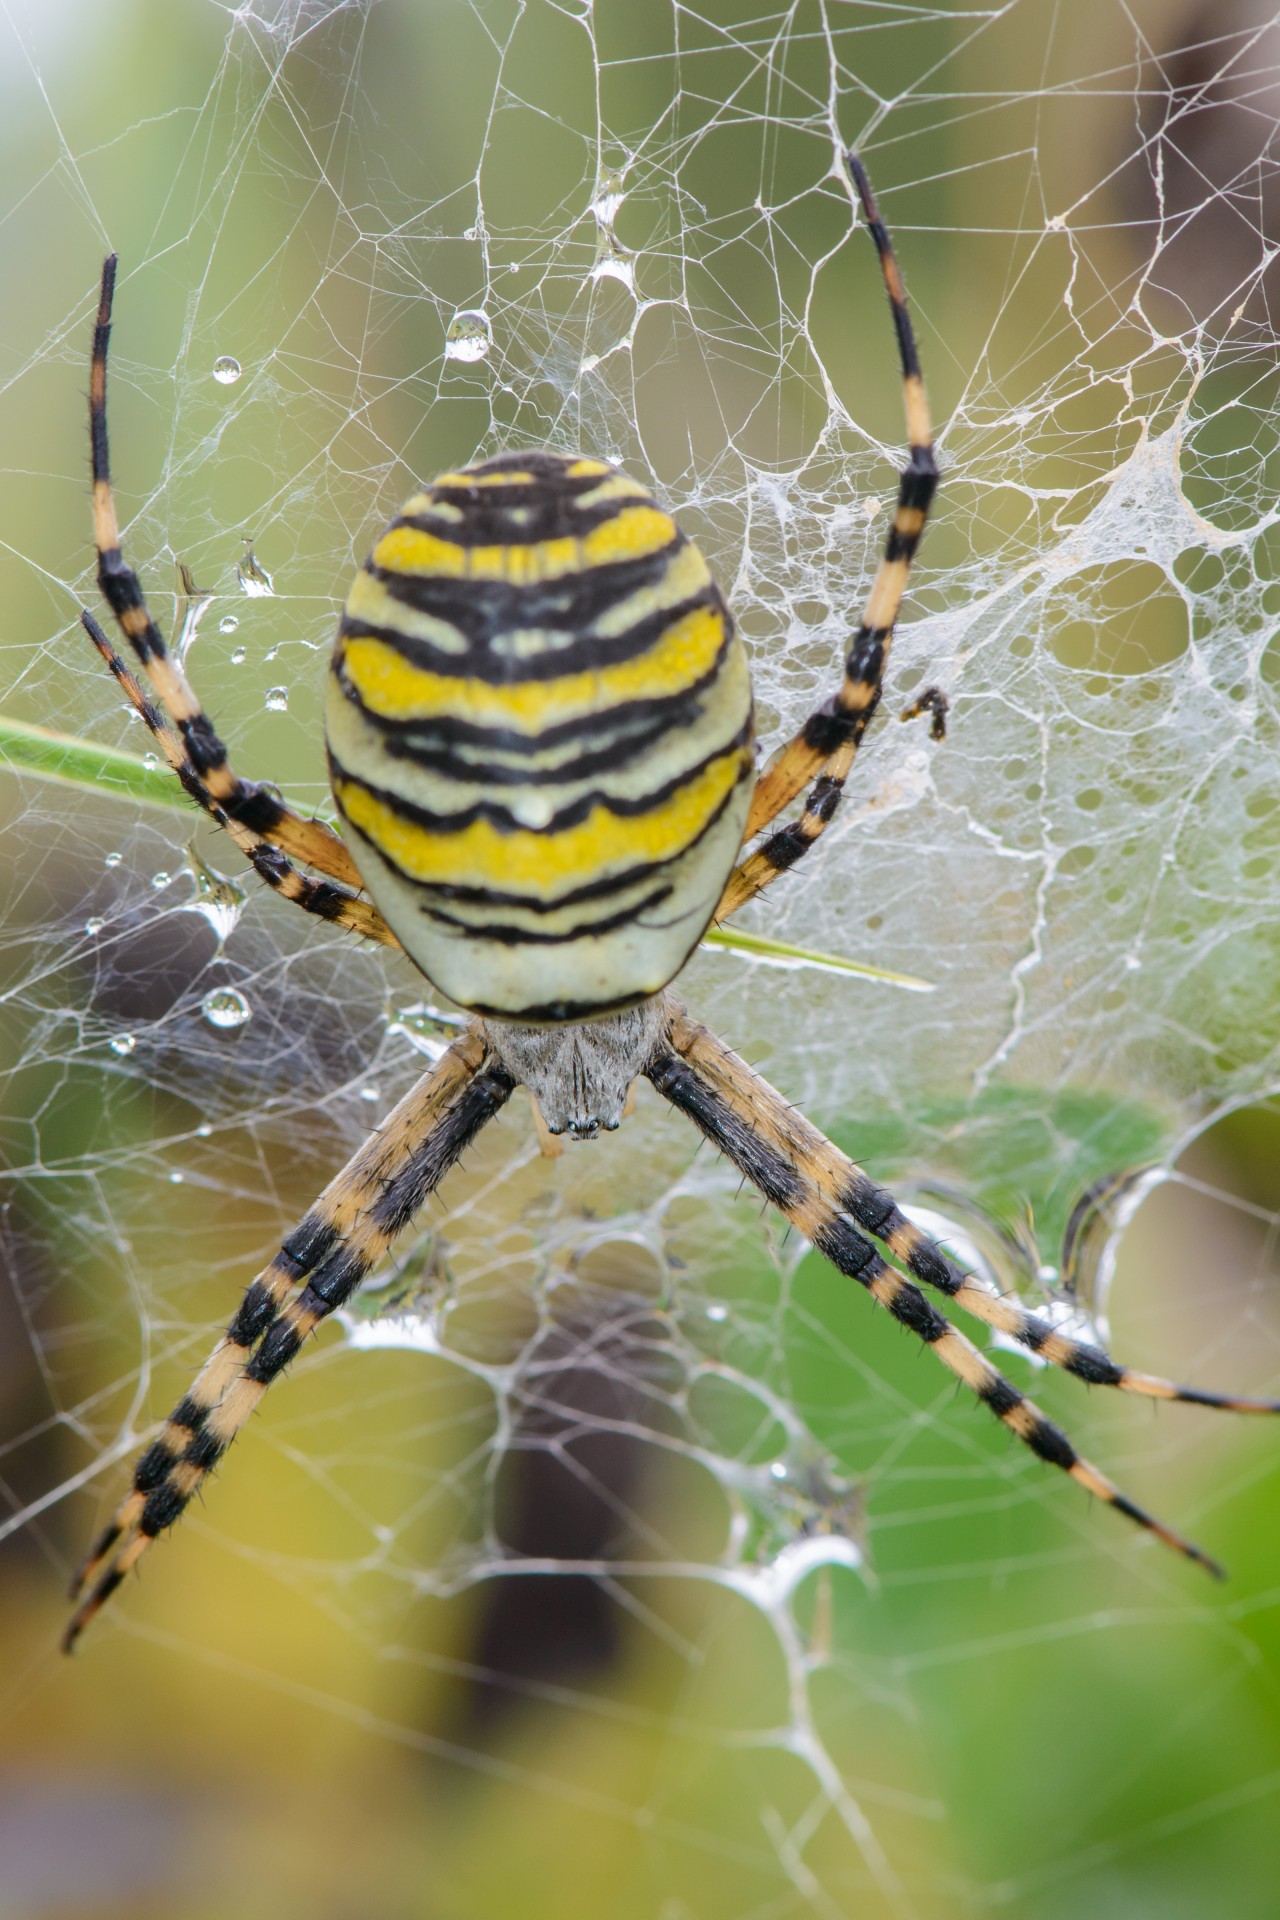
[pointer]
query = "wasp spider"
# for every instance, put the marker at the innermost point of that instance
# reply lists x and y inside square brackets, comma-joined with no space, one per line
[540,743]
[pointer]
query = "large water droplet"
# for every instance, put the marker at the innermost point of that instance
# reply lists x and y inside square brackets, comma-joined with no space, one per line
[469,335]
[226,371]
[123,1043]
[95,925]
[277,699]
[225,1008]
[239,657]
[228,623]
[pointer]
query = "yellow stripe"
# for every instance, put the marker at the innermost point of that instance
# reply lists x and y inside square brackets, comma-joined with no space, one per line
[537,863]
[395,690]
[632,534]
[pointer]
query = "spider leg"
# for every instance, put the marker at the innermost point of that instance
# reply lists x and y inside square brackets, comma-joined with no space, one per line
[318,1268]
[260,812]
[828,742]
[829,1200]
[269,862]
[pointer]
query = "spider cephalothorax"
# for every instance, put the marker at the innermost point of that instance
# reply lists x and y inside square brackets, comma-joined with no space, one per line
[539,732]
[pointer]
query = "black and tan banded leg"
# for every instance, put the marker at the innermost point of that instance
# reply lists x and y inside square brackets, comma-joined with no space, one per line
[320,897]
[835,1206]
[204,767]
[827,745]
[316,1271]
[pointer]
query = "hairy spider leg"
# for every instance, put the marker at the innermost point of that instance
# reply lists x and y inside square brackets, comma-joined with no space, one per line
[317,1270]
[828,743]
[261,812]
[801,1173]
[851,1192]
[320,897]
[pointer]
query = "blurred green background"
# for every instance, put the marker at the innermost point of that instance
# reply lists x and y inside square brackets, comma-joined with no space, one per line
[356,1681]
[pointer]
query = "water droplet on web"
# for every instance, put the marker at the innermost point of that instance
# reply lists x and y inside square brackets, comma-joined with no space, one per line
[428,1029]
[226,371]
[718,1312]
[228,623]
[204,1130]
[217,898]
[612,263]
[176,1179]
[277,699]
[113,860]
[225,1008]
[609,197]
[95,925]
[239,657]
[370,1093]
[469,335]
[161,880]
[123,1043]
[252,575]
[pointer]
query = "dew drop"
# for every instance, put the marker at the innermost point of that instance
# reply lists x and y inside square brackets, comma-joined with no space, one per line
[176,1179]
[370,1094]
[608,199]
[124,1043]
[226,371]
[469,335]
[217,898]
[277,699]
[252,575]
[228,623]
[161,880]
[95,925]
[113,860]
[612,263]
[225,1008]
[717,1312]
[204,1130]
[239,657]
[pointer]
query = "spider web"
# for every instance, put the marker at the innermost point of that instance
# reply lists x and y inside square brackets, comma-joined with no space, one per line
[609,1553]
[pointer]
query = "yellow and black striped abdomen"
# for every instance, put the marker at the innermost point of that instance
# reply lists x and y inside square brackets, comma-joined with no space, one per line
[539,728]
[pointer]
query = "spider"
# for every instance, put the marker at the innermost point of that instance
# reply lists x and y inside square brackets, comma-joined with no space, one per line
[540,743]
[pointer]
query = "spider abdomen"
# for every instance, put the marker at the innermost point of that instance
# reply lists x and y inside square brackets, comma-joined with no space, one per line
[539,730]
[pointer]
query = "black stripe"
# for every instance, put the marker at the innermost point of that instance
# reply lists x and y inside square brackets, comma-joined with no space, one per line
[484,611]
[910,1308]
[279,1346]
[846,1249]
[767,1170]
[429,891]
[163,1507]
[1097,1367]
[625,730]
[154,1467]
[1052,1444]
[516,516]
[255,1312]
[504,821]
[510,934]
[1000,1395]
